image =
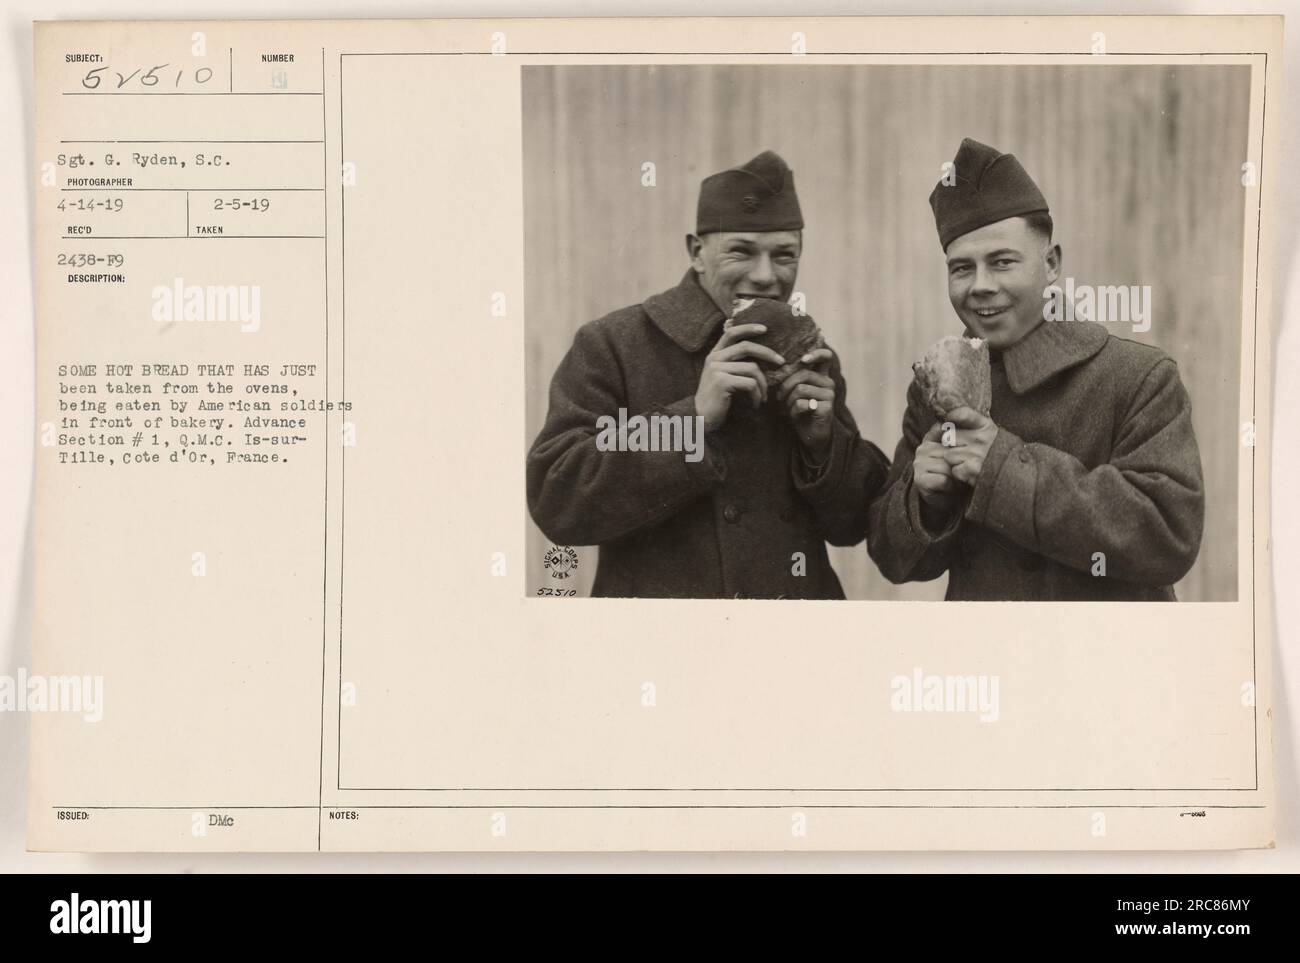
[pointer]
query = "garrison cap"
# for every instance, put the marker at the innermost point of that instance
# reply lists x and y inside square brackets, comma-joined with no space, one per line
[757,196]
[990,186]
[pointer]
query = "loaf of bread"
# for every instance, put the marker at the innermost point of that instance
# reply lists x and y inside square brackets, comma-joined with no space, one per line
[955,372]
[789,334]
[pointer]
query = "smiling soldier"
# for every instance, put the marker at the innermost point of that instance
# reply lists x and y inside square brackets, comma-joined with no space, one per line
[782,470]
[1084,480]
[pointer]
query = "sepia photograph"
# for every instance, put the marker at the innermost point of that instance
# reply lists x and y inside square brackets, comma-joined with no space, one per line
[884,332]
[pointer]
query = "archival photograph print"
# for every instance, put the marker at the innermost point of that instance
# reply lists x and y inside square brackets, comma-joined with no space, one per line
[821,384]
[884,332]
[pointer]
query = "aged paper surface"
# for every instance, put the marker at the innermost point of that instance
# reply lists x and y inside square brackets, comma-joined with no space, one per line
[301,290]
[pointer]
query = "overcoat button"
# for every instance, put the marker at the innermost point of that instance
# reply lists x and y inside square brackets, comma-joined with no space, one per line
[1024,455]
[731,513]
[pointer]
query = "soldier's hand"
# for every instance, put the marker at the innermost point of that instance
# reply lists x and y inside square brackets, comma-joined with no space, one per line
[970,443]
[809,398]
[931,473]
[729,370]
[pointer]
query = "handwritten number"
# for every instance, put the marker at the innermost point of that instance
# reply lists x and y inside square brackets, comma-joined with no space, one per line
[149,79]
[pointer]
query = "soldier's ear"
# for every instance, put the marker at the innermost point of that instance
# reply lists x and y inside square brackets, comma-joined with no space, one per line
[693,248]
[1052,261]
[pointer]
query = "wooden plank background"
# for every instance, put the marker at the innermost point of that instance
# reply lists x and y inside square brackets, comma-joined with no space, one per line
[1141,166]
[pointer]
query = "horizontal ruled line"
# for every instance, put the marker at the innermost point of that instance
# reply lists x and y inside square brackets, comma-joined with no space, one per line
[193,93]
[789,805]
[140,140]
[200,190]
[192,237]
[794,805]
[809,54]
[699,789]
[313,806]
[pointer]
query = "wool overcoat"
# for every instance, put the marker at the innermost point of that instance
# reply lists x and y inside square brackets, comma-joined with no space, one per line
[750,519]
[1094,469]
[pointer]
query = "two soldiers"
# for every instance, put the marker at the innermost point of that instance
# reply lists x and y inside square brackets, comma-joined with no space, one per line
[1083,481]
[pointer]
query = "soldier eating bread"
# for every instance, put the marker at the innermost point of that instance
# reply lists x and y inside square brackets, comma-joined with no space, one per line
[1081,480]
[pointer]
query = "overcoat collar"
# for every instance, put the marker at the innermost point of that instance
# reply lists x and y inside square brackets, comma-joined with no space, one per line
[685,313]
[1052,347]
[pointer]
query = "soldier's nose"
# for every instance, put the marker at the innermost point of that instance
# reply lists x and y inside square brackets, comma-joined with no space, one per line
[762,275]
[983,283]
